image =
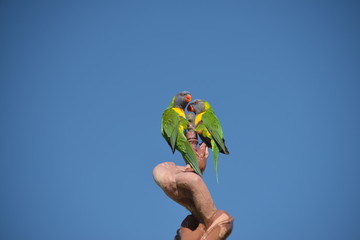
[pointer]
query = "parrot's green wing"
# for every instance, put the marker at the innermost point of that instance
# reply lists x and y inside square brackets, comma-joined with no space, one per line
[169,127]
[172,128]
[213,125]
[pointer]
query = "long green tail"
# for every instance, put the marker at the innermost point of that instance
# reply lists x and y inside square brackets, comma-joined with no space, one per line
[215,150]
[190,158]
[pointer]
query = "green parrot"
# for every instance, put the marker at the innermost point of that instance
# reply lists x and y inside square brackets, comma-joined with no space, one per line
[208,127]
[173,126]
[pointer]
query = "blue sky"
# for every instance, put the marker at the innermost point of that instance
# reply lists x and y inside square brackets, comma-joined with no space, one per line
[83,86]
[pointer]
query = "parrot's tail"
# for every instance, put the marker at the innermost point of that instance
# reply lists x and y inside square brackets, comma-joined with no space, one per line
[215,150]
[191,158]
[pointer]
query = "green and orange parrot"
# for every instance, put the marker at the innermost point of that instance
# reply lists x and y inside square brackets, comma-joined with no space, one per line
[173,126]
[208,127]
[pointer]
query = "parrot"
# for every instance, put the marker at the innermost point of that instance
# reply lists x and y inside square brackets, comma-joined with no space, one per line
[208,127]
[173,126]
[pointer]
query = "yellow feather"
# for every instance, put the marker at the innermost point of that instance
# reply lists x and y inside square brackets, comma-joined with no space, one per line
[198,118]
[179,111]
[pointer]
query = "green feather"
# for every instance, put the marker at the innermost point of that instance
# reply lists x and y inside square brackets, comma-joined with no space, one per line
[170,126]
[213,125]
[173,138]
[183,146]
[210,131]
[215,150]
[188,154]
[172,129]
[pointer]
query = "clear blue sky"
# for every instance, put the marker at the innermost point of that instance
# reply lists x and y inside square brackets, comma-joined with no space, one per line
[83,86]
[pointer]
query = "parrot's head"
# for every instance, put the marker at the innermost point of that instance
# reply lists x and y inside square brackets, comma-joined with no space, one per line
[182,99]
[197,106]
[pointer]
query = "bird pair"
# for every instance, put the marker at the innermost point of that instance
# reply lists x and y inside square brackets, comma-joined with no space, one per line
[174,124]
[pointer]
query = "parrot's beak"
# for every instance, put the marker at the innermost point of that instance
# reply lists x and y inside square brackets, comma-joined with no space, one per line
[188,98]
[190,108]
